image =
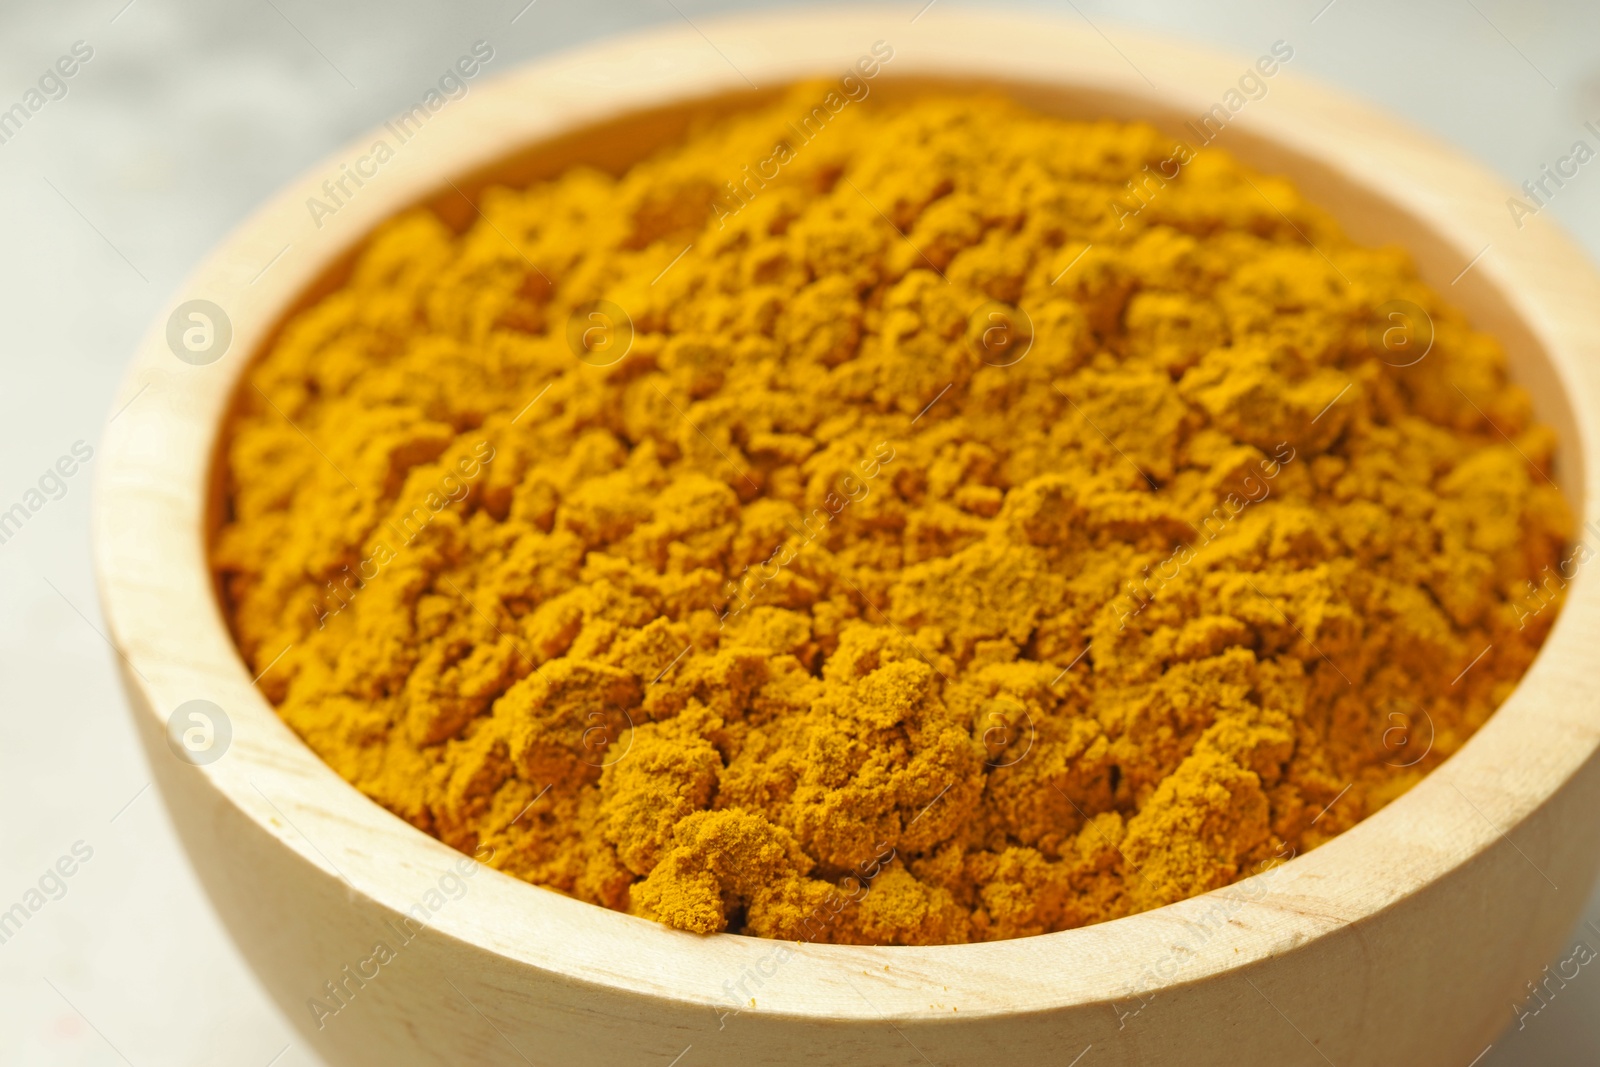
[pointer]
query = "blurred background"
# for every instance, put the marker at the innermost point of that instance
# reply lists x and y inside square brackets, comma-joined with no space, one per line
[179,117]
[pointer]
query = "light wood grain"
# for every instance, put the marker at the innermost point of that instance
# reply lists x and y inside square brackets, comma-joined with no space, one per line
[1406,940]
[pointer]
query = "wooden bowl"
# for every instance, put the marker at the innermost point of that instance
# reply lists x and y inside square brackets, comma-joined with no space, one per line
[1409,939]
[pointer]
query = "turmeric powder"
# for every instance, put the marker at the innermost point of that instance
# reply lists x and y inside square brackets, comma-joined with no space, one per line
[905,542]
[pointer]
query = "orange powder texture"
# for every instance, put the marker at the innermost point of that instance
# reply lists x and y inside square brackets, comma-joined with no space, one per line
[954,547]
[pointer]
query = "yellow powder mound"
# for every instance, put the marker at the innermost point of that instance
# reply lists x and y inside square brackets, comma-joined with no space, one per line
[960,542]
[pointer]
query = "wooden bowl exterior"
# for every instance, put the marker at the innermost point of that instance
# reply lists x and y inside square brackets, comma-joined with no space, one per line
[1406,940]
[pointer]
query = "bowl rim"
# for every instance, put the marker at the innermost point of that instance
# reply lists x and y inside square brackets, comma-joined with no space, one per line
[152,479]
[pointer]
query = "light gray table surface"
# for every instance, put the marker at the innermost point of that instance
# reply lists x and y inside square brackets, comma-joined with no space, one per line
[186,116]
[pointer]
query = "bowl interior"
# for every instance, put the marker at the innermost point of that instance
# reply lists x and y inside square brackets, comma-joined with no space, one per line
[1368,215]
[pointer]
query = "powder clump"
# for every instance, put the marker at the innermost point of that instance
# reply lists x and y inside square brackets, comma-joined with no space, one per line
[928,551]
